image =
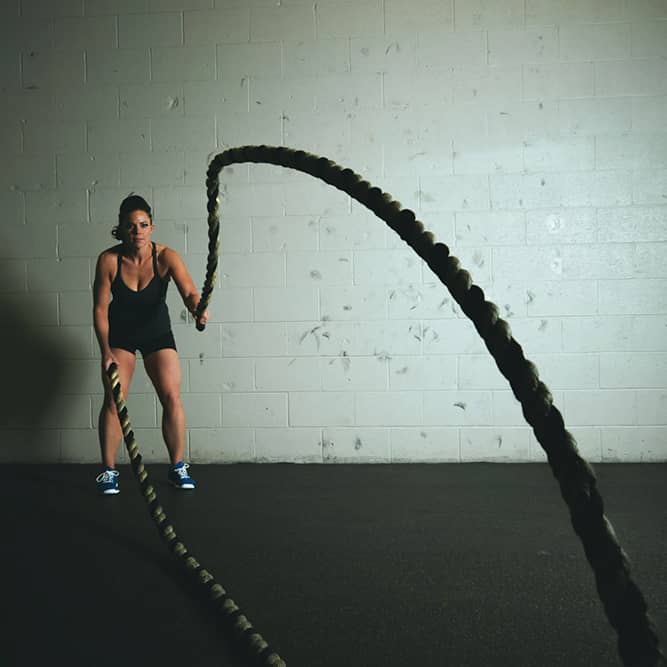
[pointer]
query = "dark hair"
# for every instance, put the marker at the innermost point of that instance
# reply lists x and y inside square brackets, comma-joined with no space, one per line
[131,203]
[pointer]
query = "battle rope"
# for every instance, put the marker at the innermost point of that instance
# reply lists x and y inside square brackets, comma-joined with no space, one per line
[256,648]
[623,602]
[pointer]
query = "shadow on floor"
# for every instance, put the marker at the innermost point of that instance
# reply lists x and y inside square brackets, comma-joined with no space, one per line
[393,565]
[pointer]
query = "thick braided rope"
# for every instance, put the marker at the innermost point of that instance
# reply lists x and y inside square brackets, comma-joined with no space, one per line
[256,648]
[623,602]
[213,208]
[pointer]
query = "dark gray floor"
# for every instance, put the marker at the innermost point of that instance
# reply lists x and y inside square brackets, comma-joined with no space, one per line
[392,565]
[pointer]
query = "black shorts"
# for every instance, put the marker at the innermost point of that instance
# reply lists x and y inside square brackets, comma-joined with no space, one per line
[164,342]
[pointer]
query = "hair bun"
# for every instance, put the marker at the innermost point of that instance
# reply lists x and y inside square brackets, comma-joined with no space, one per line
[133,203]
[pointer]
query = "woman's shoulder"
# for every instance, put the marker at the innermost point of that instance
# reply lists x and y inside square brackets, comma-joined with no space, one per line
[107,261]
[166,254]
[110,254]
[168,261]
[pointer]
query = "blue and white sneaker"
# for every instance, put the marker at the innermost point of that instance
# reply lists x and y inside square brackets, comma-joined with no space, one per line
[107,482]
[178,476]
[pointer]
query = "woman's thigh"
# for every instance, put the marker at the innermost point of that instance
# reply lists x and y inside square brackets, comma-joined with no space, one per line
[163,367]
[126,362]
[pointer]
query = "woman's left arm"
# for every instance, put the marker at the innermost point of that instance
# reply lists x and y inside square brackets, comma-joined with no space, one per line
[186,286]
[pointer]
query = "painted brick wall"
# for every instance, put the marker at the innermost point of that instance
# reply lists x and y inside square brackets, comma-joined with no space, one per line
[528,135]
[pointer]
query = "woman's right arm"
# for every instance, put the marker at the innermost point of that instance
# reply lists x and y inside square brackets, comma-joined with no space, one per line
[101,301]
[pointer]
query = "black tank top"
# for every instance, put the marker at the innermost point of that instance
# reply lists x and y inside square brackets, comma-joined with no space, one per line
[143,314]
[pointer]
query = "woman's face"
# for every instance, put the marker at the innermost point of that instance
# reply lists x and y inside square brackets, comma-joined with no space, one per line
[137,229]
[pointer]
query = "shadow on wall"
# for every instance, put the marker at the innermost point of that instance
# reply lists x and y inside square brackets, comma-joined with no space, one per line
[35,371]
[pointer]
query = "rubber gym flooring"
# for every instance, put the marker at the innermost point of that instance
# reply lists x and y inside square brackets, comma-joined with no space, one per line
[354,565]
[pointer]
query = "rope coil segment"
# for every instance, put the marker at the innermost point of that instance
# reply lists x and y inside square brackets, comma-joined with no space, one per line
[231,615]
[622,600]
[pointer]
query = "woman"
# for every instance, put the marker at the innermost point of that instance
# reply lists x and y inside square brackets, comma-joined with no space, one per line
[136,274]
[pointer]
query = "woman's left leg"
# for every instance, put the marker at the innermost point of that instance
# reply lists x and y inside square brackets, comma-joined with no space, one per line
[164,369]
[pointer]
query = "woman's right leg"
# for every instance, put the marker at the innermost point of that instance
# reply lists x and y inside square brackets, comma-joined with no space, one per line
[108,426]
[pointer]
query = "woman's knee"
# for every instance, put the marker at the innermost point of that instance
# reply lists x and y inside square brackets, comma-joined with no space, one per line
[171,400]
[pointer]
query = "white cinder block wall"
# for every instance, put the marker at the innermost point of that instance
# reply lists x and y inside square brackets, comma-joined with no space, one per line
[528,135]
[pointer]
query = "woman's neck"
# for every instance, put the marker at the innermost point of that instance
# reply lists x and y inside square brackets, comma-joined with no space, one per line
[137,255]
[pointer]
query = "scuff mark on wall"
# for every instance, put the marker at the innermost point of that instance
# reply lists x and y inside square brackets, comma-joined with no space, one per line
[416,331]
[314,332]
[432,334]
[308,332]
[327,450]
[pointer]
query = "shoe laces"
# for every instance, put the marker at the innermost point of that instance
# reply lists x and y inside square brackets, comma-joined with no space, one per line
[107,476]
[182,471]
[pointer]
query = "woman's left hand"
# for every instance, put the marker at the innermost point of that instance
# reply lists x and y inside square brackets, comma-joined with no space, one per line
[204,317]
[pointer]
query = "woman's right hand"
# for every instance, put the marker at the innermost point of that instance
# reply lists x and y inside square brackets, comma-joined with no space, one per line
[107,360]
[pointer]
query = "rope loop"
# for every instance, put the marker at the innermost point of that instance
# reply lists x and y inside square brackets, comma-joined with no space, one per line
[623,603]
[622,600]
